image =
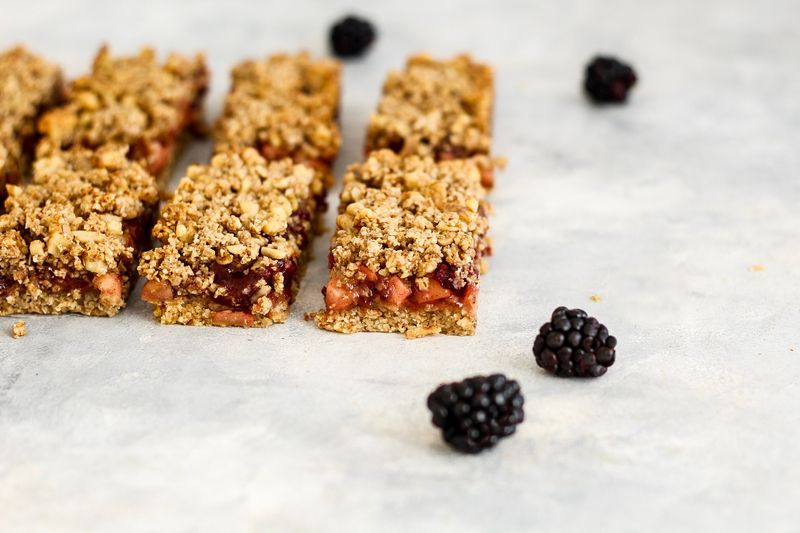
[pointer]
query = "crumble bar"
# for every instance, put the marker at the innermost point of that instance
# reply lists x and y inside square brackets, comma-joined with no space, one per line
[130,100]
[405,256]
[28,86]
[70,240]
[232,242]
[441,109]
[284,106]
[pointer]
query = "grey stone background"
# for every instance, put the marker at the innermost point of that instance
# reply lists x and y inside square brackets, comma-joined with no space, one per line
[660,207]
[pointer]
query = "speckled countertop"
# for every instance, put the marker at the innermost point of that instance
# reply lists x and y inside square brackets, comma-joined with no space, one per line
[662,208]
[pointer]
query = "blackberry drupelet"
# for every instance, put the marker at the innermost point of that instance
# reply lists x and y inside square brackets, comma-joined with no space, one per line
[608,79]
[476,413]
[351,36]
[574,344]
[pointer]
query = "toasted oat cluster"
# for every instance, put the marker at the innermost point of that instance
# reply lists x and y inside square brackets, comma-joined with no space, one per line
[232,241]
[284,106]
[406,252]
[70,240]
[440,109]
[19,330]
[135,101]
[28,86]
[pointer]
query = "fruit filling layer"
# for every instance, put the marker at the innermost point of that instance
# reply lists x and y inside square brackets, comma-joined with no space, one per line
[237,288]
[435,292]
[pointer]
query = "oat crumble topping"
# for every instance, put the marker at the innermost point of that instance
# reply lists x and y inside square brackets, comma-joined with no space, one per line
[28,85]
[435,108]
[71,218]
[127,100]
[286,102]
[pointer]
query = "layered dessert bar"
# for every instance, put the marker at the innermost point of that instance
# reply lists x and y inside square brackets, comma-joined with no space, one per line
[28,86]
[233,239]
[135,101]
[440,109]
[69,241]
[284,106]
[406,253]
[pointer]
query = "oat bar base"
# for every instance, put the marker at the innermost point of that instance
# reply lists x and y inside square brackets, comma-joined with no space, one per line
[413,323]
[198,311]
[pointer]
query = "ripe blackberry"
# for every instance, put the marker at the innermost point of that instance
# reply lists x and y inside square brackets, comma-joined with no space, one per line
[476,413]
[574,344]
[608,79]
[351,36]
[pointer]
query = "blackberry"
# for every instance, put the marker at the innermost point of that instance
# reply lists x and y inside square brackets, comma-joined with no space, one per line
[608,79]
[351,36]
[476,413]
[574,344]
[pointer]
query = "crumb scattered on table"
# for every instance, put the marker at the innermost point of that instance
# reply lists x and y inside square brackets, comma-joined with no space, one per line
[757,268]
[18,329]
[596,298]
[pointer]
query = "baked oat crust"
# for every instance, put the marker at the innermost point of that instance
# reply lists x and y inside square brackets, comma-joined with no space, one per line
[414,324]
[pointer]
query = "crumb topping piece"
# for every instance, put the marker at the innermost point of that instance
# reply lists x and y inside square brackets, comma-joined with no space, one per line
[239,211]
[284,105]
[435,108]
[405,216]
[18,329]
[127,100]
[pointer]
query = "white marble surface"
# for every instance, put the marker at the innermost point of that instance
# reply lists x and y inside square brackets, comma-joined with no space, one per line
[660,207]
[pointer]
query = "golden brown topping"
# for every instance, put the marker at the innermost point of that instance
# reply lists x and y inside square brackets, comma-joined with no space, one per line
[102,181]
[407,215]
[27,85]
[70,219]
[285,105]
[127,100]
[435,108]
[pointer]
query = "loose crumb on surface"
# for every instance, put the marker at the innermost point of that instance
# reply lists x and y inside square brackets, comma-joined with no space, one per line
[18,329]
[596,298]
[757,268]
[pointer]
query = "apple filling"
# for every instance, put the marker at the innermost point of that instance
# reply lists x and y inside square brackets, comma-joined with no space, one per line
[392,292]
